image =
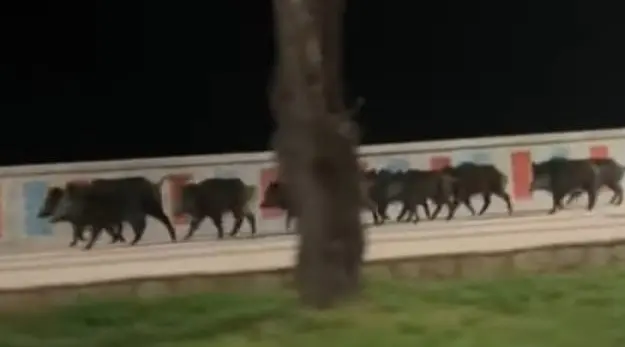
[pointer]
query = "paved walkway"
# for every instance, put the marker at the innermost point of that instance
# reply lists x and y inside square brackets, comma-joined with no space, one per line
[74,266]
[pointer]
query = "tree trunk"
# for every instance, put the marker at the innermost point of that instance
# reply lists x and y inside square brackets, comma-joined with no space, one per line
[318,161]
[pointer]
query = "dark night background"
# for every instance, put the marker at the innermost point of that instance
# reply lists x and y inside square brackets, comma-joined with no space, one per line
[85,80]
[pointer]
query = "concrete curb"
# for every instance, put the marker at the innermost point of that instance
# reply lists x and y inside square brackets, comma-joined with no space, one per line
[543,259]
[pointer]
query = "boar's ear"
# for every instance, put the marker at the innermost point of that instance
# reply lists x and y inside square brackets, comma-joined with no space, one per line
[54,191]
[70,187]
[75,187]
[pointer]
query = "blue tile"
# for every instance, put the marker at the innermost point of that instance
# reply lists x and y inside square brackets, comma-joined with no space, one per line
[34,194]
[560,152]
[397,164]
[481,158]
[225,173]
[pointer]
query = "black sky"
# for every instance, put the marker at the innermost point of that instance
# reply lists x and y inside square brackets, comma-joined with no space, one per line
[110,79]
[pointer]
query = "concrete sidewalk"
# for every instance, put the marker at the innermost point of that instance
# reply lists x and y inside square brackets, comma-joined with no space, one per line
[71,266]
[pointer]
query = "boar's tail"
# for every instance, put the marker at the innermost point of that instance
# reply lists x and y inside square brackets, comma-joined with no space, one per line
[156,188]
[250,193]
[249,196]
[621,172]
[504,180]
[160,182]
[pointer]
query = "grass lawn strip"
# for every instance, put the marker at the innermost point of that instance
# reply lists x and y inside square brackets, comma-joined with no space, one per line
[575,310]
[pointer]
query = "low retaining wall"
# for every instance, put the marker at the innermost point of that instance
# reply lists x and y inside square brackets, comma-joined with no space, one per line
[544,259]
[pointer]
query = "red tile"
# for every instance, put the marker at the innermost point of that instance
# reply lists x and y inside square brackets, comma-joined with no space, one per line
[267,176]
[521,174]
[599,152]
[439,162]
[176,182]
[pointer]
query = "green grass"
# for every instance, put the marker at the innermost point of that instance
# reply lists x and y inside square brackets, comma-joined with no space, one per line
[555,311]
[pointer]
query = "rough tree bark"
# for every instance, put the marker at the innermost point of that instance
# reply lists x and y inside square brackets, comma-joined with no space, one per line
[316,154]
